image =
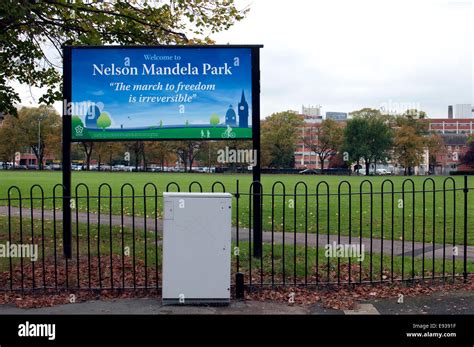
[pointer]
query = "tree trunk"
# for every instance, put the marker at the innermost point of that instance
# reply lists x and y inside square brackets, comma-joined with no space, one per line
[367,168]
[40,162]
[191,164]
[145,163]
[137,158]
[321,159]
[88,153]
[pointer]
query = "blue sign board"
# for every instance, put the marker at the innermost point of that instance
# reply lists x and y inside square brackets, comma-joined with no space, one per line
[152,93]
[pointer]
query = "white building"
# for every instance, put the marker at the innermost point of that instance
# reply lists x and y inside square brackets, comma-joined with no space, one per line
[463,111]
[314,111]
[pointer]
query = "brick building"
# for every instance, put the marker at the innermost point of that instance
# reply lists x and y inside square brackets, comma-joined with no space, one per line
[455,133]
[304,157]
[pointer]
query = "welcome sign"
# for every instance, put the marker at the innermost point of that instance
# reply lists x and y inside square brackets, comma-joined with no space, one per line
[153,93]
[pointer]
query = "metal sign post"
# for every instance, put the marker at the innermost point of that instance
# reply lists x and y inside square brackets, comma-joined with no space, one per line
[66,148]
[257,187]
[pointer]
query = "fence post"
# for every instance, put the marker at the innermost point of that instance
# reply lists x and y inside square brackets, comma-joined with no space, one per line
[239,285]
[465,190]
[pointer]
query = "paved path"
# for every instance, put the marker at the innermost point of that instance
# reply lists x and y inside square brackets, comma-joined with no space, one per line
[377,245]
[455,302]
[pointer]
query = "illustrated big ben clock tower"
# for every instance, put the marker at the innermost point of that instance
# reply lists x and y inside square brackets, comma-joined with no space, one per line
[243,110]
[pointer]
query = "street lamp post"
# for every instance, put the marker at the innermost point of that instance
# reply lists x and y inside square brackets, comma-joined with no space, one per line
[40,118]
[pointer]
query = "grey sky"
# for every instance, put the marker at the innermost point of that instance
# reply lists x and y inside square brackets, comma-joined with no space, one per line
[346,54]
[349,54]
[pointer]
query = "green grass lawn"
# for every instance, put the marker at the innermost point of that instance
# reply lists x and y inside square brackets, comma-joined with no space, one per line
[412,218]
[310,264]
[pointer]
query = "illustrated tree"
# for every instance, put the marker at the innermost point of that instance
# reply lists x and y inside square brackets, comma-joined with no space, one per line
[368,137]
[76,121]
[279,136]
[215,120]
[324,140]
[104,121]
[33,33]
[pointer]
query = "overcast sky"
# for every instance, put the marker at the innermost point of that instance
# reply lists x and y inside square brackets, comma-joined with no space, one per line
[345,54]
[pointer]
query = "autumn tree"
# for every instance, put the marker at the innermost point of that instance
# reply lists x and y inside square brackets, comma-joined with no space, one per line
[435,145]
[88,147]
[137,149]
[187,151]
[38,128]
[208,153]
[412,139]
[160,152]
[211,151]
[9,139]
[408,148]
[107,152]
[33,32]
[324,140]
[279,136]
[468,157]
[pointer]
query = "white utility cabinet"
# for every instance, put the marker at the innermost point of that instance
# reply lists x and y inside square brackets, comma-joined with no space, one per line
[196,248]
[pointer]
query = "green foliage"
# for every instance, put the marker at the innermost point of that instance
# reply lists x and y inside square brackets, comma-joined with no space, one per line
[368,136]
[104,121]
[33,32]
[354,139]
[279,135]
[214,120]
